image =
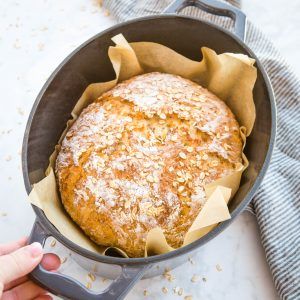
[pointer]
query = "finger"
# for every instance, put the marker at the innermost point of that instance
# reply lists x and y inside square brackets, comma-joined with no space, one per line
[14,283]
[13,246]
[20,262]
[26,291]
[50,262]
[43,297]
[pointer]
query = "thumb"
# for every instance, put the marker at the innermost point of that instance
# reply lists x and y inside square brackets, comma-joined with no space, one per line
[20,262]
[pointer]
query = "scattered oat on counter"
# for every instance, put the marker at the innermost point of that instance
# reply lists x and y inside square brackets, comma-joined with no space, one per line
[20,111]
[41,46]
[92,276]
[88,285]
[53,243]
[178,290]
[165,290]
[98,3]
[8,158]
[104,279]
[106,13]
[218,267]
[17,44]
[195,278]
[167,275]
[191,261]
[64,260]
[146,293]
[189,297]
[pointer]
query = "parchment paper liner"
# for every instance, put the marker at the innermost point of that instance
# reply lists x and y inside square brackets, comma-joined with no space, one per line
[230,76]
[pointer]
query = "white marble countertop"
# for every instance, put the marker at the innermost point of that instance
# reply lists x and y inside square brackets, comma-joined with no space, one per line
[35,36]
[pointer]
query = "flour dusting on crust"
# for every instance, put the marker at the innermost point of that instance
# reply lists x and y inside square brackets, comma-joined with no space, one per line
[140,156]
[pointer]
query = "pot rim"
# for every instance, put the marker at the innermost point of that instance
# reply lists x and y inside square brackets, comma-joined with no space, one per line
[188,248]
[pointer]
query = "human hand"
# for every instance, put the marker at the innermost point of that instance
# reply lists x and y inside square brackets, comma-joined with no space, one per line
[16,261]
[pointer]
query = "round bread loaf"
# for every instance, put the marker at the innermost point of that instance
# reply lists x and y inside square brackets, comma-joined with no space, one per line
[139,157]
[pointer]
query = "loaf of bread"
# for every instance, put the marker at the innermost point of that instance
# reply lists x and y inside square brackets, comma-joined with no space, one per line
[139,157]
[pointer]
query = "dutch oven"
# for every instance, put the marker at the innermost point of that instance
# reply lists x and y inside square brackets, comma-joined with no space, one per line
[88,64]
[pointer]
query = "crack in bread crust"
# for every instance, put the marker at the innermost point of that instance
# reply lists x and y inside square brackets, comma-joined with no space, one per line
[139,158]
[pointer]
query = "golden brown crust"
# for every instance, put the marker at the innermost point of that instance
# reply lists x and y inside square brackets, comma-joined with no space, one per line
[139,157]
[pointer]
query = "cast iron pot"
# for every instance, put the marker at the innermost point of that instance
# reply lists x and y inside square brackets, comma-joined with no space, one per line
[88,64]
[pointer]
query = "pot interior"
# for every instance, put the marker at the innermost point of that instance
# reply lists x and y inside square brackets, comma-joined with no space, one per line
[90,64]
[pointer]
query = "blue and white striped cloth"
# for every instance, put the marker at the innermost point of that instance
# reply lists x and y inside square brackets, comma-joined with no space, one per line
[277,203]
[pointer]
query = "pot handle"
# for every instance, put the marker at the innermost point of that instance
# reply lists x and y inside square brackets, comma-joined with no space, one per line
[69,288]
[214,7]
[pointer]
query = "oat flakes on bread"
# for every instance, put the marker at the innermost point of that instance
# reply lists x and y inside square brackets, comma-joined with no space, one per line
[139,158]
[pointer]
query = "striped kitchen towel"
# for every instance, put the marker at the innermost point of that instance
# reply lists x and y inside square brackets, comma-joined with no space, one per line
[277,203]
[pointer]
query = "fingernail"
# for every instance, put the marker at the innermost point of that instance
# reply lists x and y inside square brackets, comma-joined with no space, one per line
[35,249]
